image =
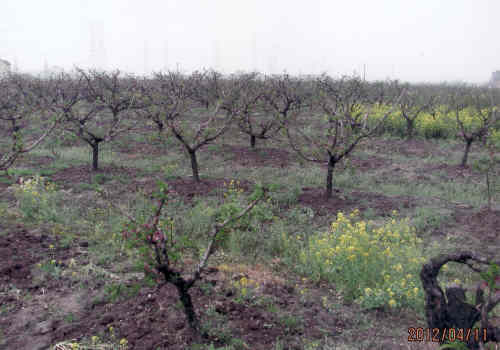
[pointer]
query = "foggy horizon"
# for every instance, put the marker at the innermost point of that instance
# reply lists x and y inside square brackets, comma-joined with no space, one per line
[423,41]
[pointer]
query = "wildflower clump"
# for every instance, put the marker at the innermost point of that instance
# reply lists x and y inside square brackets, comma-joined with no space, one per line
[376,266]
[246,288]
[36,199]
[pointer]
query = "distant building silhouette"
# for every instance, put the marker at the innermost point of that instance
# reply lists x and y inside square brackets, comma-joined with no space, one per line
[495,79]
[5,67]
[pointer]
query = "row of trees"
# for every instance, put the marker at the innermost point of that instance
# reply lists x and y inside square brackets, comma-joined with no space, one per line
[323,119]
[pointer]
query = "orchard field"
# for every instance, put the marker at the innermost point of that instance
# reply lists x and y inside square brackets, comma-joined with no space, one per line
[205,211]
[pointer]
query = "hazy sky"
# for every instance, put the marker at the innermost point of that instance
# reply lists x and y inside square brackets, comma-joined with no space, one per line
[411,40]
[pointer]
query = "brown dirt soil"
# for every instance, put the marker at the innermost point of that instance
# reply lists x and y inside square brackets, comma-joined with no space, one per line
[185,187]
[416,147]
[68,177]
[261,156]
[484,224]
[452,171]
[38,309]
[372,162]
[32,161]
[383,205]
[24,298]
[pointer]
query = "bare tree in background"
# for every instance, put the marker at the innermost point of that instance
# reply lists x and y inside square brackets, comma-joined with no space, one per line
[25,105]
[165,98]
[206,87]
[255,118]
[105,109]
[285,96]
[413,104]
[342,127]
[475,113]
[207,124]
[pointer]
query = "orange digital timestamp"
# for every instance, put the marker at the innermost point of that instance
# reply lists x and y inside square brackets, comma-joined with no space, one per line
[440,335]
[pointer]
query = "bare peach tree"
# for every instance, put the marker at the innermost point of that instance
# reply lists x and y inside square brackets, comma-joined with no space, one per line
[27,105]
[105,109]
[165,97]
[343,125]
[203,125]
[448,311]
[255,118]
[163,249]
[206,87]
[285,96]
[413,104]
[475,113]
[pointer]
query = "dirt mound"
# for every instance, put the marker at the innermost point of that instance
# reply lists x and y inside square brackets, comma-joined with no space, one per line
[315,198]
[259,157]
[484,224]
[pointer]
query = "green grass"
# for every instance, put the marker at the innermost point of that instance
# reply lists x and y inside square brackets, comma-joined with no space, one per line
[79,217]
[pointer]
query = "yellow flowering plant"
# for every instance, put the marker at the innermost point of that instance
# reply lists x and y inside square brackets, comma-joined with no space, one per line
[246,288]
[37,199]
[375,266]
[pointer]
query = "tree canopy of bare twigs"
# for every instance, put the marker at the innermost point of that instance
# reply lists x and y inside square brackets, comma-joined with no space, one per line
[413,104]
[25,103]
[475,112]
[165,97]
[105,108]
[345,107]
[208,122]
[255,117]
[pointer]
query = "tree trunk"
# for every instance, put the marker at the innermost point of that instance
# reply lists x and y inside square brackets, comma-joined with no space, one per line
[187,302]
[160,126]
[252,141]
[329,178]
[466,152]
[194,165]
[410,128]
[95,156]
[450,309]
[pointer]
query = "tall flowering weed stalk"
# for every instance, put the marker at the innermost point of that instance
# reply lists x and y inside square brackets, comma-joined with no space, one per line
[37,199]
[163,251]
[375,266]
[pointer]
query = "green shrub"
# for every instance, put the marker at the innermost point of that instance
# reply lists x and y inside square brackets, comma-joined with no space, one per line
[372,266]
